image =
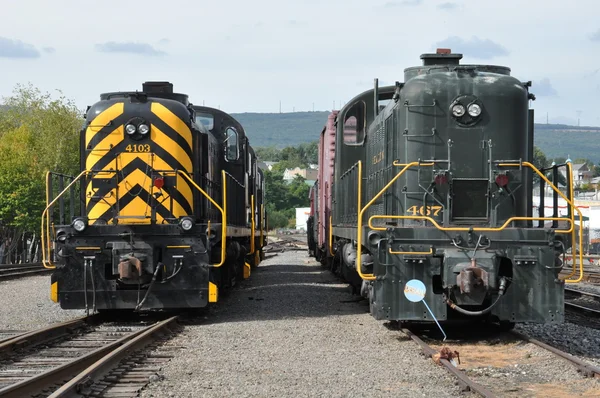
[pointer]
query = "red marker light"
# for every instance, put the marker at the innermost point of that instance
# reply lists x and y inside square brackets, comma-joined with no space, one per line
[440,179]
[159,182]
[502,180]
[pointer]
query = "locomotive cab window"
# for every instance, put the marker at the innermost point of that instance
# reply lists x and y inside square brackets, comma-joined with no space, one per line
[354,124]
[231,144]
[206,119]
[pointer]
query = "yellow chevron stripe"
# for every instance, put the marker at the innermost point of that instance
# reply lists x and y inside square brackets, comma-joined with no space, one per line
[124,187]
[133,209]
[182,185]
[172,121]
[103,205]
[171,147]
[157,163]
[124,158]
[104,148]
[102,120]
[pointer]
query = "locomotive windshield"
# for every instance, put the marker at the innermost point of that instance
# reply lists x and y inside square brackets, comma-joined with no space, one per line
[206,119]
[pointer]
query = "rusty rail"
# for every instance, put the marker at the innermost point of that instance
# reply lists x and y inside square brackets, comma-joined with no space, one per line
[585,368]
[465,383]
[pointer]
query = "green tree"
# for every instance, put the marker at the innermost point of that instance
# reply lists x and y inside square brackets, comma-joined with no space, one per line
[298,192]
[37,134]
[539,158]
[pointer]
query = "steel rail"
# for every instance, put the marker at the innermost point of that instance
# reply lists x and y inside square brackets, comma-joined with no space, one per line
[582,309]
[464,381]
[5,266]
[586,368]
[581,293]
[42,381]
[43,335]
[103,366]
[19,271]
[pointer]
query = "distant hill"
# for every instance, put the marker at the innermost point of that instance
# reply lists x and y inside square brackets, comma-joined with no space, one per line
[282,129]
[290,129]
[561,140]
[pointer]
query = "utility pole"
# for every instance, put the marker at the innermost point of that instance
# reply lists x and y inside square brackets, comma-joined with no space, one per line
[279,106]
[578,116]
[313,106]
[547,118]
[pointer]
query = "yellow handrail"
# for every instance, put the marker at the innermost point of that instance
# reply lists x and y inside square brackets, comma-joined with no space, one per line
[45,238]
[222,210]
[46,216]
[331,236]
[572,219]
[252,248]
[406,166]
[415,253]
[262,225]
[456,229]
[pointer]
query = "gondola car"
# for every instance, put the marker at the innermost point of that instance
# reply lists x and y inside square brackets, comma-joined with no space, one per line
[432,180]
[167,210]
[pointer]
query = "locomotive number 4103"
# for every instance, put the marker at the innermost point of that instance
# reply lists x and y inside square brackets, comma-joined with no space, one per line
[138,148]
[424,210]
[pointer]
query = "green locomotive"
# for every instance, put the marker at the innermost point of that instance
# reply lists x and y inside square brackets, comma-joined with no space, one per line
[432,179]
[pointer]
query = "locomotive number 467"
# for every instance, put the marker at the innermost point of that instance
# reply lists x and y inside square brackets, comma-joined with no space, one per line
[424,210]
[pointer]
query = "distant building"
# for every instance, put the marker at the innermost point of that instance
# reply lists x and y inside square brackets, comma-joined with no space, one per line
[302,214]
[266,165]
[307,174]
[581,174]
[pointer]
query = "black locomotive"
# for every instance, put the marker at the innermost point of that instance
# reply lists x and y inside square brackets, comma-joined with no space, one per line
[168,207]
[432,179]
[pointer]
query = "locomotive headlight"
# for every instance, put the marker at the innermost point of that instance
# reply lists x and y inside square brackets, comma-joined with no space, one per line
[130,129]
[474,110]
[186,223]
[458,110]
[143,129]
[79,224]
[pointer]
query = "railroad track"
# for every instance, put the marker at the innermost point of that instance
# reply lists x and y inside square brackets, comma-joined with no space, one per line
[501,366]
[87,356]
[12,271]
[282,243]
[582,307]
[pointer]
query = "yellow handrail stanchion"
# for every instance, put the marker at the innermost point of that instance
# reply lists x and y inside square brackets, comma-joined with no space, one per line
[222,210]
[262,225]
[406,166]
[573,207]
[252,248]
[45,238]
[331,236]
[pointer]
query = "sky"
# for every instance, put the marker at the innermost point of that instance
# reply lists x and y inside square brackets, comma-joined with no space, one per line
[247,56]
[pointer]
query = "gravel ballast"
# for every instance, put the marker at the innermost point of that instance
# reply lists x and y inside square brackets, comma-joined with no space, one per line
[26,304]
[578,340]
[293,329]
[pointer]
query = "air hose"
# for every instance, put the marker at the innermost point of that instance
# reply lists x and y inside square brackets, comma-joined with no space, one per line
[482,312]
[158,266]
